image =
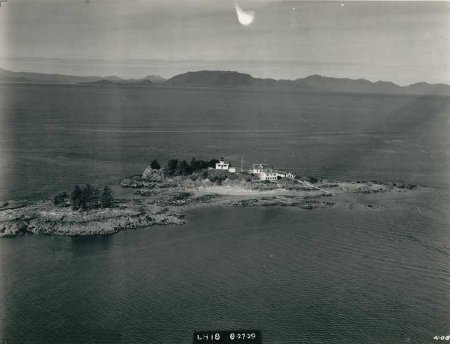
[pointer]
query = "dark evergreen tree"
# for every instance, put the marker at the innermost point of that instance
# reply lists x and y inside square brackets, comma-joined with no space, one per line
[197,165]
[212,163]
[60,199]
[194,164]
[75,197]
[183,168]
[106,198]
[155,165]
[86,197]
[172,166]
[94,201]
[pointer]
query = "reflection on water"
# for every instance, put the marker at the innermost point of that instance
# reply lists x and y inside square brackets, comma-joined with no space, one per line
[81,245]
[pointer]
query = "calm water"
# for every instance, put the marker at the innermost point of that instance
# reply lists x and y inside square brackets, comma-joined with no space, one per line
[324,276]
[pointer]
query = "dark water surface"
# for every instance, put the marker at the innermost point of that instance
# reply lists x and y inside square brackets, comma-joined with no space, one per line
[324,276]
[55,136]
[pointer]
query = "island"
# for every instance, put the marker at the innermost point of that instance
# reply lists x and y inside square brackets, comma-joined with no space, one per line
[163,195]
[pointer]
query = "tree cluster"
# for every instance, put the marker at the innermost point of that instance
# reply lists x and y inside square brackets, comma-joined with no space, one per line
[177,167]
[217,178]
[85,198]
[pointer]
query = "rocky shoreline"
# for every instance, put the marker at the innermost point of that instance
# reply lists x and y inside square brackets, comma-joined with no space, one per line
[44,218]
[159,199]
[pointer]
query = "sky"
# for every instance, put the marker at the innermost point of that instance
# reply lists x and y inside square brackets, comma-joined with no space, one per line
[403,42]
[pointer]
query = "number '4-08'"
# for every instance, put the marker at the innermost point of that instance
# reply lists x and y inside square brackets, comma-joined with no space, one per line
[441,337]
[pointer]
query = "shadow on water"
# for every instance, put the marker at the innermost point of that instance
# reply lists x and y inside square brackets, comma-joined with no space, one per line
[87,245]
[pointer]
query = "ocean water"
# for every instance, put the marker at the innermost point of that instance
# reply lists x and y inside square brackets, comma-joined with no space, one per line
[325,276]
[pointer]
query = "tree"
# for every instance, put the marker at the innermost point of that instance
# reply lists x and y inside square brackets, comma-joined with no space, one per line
[60,199]
[90,197]
[155,165]
[106,198]
[172,166]
[183,168]
[75,197]
[94,200]
[212,163]
[85,198]
[197,165]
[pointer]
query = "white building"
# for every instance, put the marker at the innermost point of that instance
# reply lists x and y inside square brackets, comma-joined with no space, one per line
[265,173]
[268,175]
[258,168]
[225,165]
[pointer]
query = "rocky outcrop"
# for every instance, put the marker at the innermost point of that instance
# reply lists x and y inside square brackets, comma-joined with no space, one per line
[367,187]
[154,175]
[45,218]
[283,202]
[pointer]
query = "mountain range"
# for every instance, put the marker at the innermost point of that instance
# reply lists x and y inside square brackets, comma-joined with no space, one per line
[27,77]
[313,83]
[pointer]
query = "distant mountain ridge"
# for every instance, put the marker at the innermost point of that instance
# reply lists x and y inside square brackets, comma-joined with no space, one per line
[30,77]
[313,83]
[7,76]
